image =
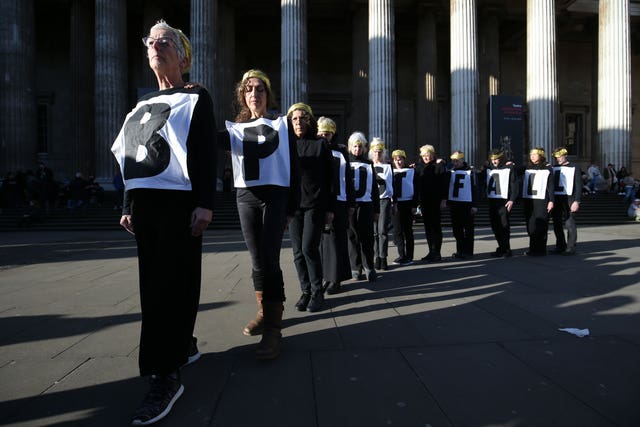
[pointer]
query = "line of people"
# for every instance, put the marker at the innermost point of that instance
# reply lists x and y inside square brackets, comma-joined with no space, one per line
[338,201]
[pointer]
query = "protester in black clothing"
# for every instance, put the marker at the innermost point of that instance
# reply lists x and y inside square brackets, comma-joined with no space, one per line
[366,210]
[502,191]
[267,181]
[316,206]
[167,154]
[567,181]
[384,179]
[538,195]
[462,202]
[334,247]
[432,191]
[406,201]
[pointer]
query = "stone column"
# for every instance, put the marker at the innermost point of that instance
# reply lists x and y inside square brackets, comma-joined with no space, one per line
[427,70]
[359,117]
[542,80]
[81,144]
[111,81]
[293,55]
[382,73]
[203,38]
[226,63]
[18,123]
[489,58]
[614,84]
[464,79]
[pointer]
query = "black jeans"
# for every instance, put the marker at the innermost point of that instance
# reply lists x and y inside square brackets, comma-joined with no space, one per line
[306,231]
[562,212]
[381,230]
[360,235]
[403,230]
[537,219]
[432,220]
[500,223]
[263,217]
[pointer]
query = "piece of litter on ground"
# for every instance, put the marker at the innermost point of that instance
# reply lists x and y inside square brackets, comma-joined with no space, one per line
[577,332]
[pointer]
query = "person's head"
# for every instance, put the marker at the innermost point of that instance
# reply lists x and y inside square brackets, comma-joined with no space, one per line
[457,158]
[560,154]
[254,96]
[377,152]
[536,156]
[168,50]
[326,128]
[427,153]
[496,157]
[357,144]
[399,158]
[301,116]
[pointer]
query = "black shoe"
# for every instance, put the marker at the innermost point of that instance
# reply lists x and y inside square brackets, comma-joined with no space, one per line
[428,257]
[569,252]
[398,260]
[193,354]
[356,275]
[383,264]
[303,302]
[435,258]
[406,261]
[377,262]
[498,253]
[507,254]
[157,404]
[333,288]
[557,251]
[372,276]
[316,302]
[460,255]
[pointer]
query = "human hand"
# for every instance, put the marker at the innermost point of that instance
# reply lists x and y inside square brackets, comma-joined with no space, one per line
[200,219]
[125,221]
[509,205]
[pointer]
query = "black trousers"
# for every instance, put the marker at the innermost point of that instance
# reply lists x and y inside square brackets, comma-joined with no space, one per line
[361,238]
[263,218]
[334,247]
[381,230]
[169,261]
[306,232]
[561,213]
[463,227]
[403,230]
[537,220]
[500,223]
[432,221]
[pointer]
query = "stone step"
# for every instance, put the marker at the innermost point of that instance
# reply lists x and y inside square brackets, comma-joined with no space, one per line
[599,209]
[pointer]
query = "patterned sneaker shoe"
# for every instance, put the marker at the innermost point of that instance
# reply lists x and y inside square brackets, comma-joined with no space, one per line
[193,354]
[157,404]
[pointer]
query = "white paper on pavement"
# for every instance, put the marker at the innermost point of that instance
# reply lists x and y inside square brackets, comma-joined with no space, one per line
[577,332]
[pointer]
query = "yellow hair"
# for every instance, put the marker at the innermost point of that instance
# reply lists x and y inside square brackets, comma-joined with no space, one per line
[538,151]
[399,153]
[376,144]
[559,152]
[457,155]
[258,75]
[427,149]
[300,106]
[325,124]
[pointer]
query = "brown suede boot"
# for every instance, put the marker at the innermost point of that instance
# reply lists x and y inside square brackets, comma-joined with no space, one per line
[255,326]
[269,347]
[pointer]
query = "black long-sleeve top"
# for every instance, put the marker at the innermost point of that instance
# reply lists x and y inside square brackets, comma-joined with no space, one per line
[432,181]
[316,174]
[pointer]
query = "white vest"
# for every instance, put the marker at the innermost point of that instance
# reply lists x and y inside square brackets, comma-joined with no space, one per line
[534,185]
[383,170]
[151,147]
[406,183]
[460,186]
[563,180]
[498,183]
[341,175]
[260,152]
[362,180]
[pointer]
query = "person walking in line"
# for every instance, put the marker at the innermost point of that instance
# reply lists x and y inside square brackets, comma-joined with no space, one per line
[567,181]
[406,202]
[366,210]
[167,155]
[384,179]
[461,200]
[502,191]
[432,191]
[316,206]
[334,247]
[266,176]
[539,197]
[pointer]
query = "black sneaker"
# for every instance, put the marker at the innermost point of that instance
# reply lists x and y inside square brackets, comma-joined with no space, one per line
[372,276]
[406,261]
[303,302]
[333,288]
[398,260]
[316,302]
[157,404]
[193,354]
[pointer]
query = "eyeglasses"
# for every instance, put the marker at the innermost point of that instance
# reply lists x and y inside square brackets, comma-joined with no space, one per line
[163,42]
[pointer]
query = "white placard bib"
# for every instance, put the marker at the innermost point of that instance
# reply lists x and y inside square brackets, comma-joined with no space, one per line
[340,170]
[534,185]
[498,183]
[405,176]
[563,180]
[362,180]
[460,186]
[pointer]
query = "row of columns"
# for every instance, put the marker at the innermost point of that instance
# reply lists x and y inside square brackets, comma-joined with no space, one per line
[17,104]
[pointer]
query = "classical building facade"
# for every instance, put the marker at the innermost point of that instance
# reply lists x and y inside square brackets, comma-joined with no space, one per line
[408,71]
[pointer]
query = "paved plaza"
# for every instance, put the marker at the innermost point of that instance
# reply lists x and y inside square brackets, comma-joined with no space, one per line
[457,343]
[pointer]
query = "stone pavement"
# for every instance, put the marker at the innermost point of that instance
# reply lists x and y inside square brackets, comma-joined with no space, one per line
[458,343]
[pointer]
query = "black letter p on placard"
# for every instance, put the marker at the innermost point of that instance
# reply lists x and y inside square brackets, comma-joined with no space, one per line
[253,151]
